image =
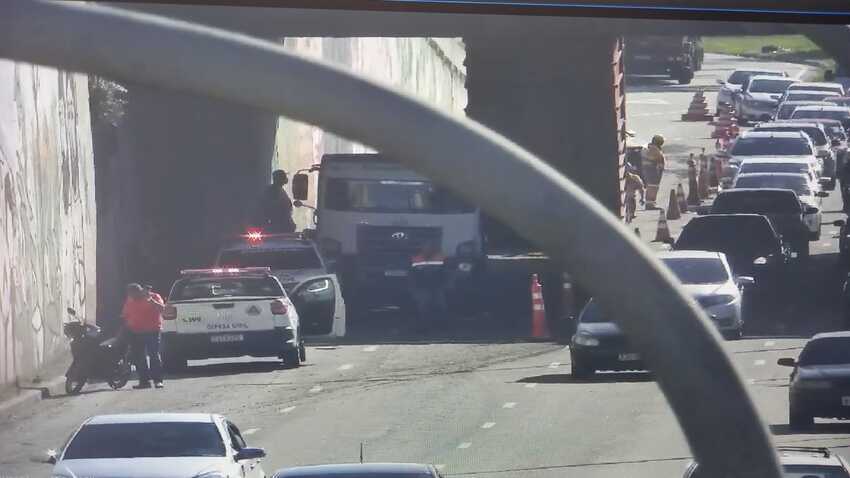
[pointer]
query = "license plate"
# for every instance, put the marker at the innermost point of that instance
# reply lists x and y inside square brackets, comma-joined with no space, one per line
[845,401]
[395,273]
[226,338]
[628,357]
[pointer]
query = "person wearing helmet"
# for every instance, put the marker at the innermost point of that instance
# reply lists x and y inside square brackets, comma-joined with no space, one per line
[654,163]
[633,184]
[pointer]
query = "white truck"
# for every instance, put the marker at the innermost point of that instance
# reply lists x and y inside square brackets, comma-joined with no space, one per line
[373,215]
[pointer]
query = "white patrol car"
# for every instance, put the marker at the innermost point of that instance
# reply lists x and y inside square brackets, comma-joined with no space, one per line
[229,313]
[298,265]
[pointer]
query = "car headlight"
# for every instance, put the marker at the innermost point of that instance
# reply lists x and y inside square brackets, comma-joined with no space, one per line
[586,340]
[712,300]
[319,286]
[464,267]
[760,261]
[813,384]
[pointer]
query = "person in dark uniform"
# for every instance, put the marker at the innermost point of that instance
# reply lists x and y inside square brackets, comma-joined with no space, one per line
[275,205]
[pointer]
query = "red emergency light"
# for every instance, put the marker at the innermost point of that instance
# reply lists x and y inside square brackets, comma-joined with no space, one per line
[254,236]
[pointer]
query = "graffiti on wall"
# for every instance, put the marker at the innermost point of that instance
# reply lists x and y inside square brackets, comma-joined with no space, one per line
[47,223]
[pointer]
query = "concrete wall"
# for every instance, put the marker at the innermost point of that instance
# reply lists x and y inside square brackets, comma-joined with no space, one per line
[429,68]
[47,216]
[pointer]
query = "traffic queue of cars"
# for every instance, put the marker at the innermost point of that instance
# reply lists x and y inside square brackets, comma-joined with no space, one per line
[187,445]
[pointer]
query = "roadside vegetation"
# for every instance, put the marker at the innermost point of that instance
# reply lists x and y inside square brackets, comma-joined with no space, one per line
[786,48]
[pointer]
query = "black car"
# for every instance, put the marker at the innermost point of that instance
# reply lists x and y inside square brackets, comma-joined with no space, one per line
[820,381]
[599,344]
[750,242]
[781,206]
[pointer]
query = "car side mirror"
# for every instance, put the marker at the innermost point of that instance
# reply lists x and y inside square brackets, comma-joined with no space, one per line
[811,210]
[839,223]
[250,454]
[822,194]
[786,362]
[300,187]
[52,457]
[745,281]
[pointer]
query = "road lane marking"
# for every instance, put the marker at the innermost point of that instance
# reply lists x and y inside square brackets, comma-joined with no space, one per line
[554,364]
[759,362]
[530,385]
[250,431]
[769,343]
[316,389]
[287,409]
[509,405]
[371,348]
[487,425]
[346,366]
[464,445]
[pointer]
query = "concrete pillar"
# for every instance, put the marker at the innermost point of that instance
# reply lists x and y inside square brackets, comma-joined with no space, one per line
[559,96]
[187,173]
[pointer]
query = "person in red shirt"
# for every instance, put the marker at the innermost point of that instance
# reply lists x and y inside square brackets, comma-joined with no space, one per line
[142,314]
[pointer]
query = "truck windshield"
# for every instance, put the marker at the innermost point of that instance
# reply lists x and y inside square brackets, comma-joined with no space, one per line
[392,196]
[215,287]
[276,259]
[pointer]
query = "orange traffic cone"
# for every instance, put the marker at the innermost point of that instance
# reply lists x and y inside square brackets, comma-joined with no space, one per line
[662,234]
[698,109]
[680,196]
[673,211]
[539,328]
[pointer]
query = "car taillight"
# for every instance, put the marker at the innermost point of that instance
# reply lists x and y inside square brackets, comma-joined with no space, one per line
[169,313]
[278,307]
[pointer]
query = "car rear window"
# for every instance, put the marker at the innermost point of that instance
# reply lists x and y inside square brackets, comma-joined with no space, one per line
[697,270]
[769,202]
[750,234]
[794,168]
[144,440]
[769,86]
[211,288]
[771,147]
[798,184]
[276,259]
[825,351]
[827,114]
[817,135]
[593,314]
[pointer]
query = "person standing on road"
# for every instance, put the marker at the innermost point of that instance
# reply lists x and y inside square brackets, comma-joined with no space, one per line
[844,179]
[275,205]
[634,184]
[142,314]
[654,163]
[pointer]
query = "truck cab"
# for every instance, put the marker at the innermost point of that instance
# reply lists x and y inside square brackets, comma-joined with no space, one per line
[373,215]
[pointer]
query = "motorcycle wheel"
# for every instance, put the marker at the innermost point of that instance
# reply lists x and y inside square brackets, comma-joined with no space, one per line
[74,380]
[120,376]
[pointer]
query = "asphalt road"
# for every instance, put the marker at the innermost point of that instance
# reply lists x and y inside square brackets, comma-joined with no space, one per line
[472,397]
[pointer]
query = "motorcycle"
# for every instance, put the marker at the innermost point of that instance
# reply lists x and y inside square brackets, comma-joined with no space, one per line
[94,357]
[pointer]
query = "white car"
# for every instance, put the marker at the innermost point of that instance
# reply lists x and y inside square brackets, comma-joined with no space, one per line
[810,112]
[778,164]
[708,278]
[774,144]
[786,108]
[732,84]
[157,445]
[806,95]
[819,138]
[796,462]
[303,272]
[836,88]
[807,191]
[230,313]
[759,97]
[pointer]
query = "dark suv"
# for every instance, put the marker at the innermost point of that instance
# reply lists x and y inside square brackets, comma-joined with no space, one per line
[750,242]
[781,206]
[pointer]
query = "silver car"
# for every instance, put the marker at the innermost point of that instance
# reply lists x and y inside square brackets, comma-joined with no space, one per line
[759,97]
[733,84]
[157,445]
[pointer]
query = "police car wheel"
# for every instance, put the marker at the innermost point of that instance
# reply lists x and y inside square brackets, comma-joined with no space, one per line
[292,358]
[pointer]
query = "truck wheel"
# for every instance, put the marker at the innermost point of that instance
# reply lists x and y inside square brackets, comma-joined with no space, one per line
[292,358]
[799,420]
[685,76]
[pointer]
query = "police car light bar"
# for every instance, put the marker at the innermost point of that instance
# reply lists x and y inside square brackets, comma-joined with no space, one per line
[226,270]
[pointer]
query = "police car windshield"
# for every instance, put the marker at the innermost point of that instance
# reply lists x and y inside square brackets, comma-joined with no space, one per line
[697,270]
[215,287]
[276,259]
[392,196]
[141,440]
[826,351]
[771,147]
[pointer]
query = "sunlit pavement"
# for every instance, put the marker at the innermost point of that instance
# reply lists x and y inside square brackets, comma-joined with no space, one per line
[468,397]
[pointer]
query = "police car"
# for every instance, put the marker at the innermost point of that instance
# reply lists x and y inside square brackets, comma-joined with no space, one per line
[296,262]
[230,312]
